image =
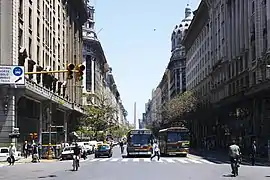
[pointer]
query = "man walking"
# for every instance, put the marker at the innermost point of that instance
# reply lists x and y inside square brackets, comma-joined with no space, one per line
[253,153]
[155,150]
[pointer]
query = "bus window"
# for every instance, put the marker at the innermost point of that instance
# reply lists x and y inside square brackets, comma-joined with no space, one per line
[178,136]
[141,139]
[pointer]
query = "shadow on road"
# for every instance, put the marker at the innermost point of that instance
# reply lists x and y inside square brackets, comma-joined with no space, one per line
[49,176]
[222,158]
[227,175]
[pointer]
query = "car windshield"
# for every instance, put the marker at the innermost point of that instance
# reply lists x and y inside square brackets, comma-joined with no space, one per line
[178,136]
[103,147]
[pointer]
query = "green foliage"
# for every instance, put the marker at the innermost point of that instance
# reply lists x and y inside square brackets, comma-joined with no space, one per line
[99,113]
[178,106]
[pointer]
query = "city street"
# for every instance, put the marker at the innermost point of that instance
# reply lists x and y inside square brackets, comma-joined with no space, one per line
[118,168]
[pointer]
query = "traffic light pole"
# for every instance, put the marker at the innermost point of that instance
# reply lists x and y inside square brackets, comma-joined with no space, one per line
[49,72]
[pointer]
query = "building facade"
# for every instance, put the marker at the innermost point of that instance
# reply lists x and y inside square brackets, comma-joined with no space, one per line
[173,81]
[231,40]
[37,35]
[98,78]
[177,64]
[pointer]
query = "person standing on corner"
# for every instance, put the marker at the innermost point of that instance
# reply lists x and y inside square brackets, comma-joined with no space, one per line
[155,150]
[253,153]
[11,152]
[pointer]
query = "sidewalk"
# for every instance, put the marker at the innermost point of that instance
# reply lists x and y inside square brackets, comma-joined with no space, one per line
[222,156]
[28,160]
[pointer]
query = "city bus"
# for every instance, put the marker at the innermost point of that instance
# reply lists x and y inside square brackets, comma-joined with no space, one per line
[139,142]
[174,141]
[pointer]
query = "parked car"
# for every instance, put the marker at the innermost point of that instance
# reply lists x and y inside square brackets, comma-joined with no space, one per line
[67,153]
[4,154]
[103,150]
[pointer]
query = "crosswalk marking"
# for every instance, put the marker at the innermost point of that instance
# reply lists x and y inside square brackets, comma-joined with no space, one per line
[169,160]
[205,161]
[182,161]
[103,160]
[114,159]
[146,160]
[162,160]
[194,161]
[125,160]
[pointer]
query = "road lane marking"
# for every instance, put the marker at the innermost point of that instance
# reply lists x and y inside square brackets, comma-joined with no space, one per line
[114,159]
[169,160]
[103,160]
[194,161]
[146,160]
[125,160]
[136,160]
[205,161]
[182,161]
[160,161]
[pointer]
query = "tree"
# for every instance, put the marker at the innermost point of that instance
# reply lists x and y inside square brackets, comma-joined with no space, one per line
[177,107]
[100,111]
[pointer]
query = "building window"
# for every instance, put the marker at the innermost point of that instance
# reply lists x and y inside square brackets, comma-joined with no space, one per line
[21,9]
[38,28]
[20,37]
[30,18]
[38,54]
[30,47]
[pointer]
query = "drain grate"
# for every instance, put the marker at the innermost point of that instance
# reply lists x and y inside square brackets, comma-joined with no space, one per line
[49,176]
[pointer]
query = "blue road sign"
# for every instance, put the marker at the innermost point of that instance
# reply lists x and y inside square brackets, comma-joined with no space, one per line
[17,71]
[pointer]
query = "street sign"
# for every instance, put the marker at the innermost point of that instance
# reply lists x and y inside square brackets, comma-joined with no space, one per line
[12,75]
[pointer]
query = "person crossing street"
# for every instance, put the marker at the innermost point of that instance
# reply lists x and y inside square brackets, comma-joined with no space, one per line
[156,151]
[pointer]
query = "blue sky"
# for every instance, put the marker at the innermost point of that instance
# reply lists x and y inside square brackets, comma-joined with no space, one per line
[137,54]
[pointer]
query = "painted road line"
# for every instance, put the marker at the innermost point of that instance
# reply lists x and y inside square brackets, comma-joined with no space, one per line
[169,160]
[114,159]
[205,161]
[93,160]
[136,160]
[146,160]
[125,160]
[194,161]
[103,160]
[182,161]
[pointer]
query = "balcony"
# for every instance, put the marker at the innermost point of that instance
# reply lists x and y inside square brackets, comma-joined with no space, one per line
[41,93]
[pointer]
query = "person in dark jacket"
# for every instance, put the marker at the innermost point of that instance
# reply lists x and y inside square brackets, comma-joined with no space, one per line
[253,153]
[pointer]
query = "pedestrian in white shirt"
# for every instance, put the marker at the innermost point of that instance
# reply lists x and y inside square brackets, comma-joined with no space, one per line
[155,150]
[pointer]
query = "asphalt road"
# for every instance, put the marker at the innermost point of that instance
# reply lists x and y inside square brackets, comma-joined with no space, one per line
[118,168]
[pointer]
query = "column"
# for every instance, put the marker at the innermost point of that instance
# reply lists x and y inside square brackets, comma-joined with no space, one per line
[65,126]
[40,122]
[268,24]
[237,35]
[241,30]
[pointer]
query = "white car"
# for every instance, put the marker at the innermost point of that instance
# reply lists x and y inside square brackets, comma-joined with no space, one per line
[67,153]
[4,154]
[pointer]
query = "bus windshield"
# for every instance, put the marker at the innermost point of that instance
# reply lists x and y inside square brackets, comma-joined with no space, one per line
[141,139]
[178,136]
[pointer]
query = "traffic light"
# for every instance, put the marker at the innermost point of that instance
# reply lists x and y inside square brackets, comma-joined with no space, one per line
[79,72]
[35,136]
[70,69]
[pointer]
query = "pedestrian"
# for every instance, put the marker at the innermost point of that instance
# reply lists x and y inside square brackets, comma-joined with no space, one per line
[39,150]
[121,146]
[25,149]
[155,150]
[11,152]
[253,153]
